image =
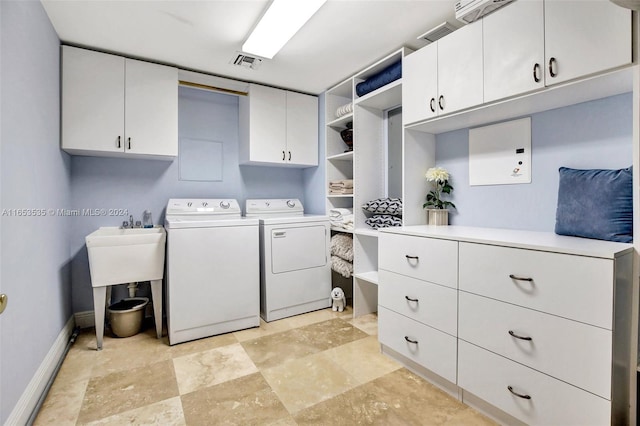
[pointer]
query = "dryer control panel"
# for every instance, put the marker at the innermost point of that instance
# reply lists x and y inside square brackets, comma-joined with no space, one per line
[279,206]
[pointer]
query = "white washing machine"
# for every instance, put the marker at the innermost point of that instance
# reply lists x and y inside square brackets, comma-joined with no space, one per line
[213,273]
[295,266]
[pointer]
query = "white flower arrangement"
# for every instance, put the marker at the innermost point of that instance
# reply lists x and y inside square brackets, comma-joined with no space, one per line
[440,177]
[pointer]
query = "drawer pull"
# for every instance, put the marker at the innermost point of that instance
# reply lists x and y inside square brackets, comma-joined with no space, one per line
[411,257]
[415,342]
[410,299]
[517,278]
[518,394]
[520,337]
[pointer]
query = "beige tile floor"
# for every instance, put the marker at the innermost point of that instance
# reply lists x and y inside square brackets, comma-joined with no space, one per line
[320,368]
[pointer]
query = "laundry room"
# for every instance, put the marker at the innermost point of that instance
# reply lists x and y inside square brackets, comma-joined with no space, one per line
[397,194]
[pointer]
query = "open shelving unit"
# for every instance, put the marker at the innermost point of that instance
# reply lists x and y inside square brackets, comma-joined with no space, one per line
[364,165]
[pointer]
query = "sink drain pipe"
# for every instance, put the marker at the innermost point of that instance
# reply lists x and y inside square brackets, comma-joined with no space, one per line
[133,287]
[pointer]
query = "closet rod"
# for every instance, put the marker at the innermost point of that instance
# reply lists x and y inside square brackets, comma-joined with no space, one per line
[212,88]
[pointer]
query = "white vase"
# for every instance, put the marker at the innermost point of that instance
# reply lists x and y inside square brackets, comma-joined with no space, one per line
[437,217]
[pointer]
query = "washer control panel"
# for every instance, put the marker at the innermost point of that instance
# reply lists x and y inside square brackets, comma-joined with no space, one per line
[202,206]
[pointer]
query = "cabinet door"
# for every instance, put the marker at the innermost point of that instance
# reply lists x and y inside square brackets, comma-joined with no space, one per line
[92,101]
[513,49]
[460,69]
[584,37]
[420,84]
[151,109]
[267,124]
[302,129]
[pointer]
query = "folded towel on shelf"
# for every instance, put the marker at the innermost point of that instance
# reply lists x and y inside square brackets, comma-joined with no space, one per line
[344,110]
[341,266]
[341,218]
[342,246]
[339,184]
[340,191]
[339,213]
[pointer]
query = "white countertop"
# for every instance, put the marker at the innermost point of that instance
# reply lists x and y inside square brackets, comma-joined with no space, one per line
[530,240]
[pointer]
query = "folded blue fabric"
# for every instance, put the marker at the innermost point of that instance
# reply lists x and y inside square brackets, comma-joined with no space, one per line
[386,76]
[596,204]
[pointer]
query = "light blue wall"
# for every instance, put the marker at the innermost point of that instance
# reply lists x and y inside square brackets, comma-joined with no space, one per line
[137,185]
[34,174]
[595,134]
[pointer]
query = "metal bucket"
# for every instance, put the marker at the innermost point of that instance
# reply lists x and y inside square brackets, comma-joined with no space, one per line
[126,316]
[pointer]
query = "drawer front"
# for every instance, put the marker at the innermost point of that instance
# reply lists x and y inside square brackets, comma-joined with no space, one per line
[432,349]
[419,257]
[575,287]
[574,352]
[552,402]
[430,304]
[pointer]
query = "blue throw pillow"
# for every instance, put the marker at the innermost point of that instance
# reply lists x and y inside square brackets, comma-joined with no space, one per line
[596,204]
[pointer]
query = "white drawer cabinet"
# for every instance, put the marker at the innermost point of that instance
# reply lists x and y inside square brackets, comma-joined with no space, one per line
[568,350]
[548,282]
[550,317]
[430,304]
[430,260]
[278,127]
[420,343]
[118,107]
[550,401]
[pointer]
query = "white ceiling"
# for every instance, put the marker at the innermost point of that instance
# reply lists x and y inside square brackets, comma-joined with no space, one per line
[343,37]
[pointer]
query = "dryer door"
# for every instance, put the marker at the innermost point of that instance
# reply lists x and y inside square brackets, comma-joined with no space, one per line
[298,248]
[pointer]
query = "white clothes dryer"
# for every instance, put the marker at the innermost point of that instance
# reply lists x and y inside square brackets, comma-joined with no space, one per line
[213,273]
[295,268]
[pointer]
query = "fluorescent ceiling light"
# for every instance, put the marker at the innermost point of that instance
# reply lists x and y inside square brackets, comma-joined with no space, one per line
[281,21]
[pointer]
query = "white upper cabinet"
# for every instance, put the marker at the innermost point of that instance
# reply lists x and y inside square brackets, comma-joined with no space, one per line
[445,76]
[278,127]
[263,115]
[302,129]
[151,109]
[584,37]
[420,84]
[513,50]
[114,106]
[460,69]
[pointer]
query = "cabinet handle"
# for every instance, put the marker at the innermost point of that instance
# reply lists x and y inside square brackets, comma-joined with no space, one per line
[518,394]
[289,155]
[415,342]
[441,102]
[517,278]
[552,62]
[119,145]
[432,105]
[536,73]
[128,143]
[283,156]
[520,337]
[410,299]
[411,257]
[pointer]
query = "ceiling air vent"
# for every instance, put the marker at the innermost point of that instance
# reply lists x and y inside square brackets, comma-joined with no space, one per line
[438,32]
[246,61]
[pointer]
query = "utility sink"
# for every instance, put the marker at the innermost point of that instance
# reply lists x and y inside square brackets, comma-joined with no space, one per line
[125,255]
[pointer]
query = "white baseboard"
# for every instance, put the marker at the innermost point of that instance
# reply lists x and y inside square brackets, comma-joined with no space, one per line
[85,319]
[31,395]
